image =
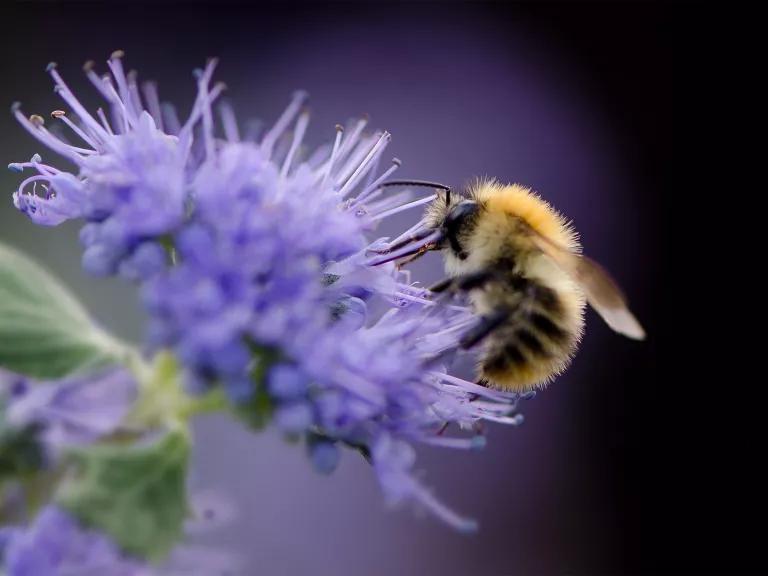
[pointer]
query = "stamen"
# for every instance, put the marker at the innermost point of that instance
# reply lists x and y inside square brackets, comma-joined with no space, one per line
[408,250]
[207,119]
[356,158]
[366,164]
[440,510]
[119,111]
[203,79]
[404,207]
[44,136]
[426,302]
[104,121]
[351,140]
[473,443]
[153,103]
[372,187]
[170,118]
[301,128]
[36,163]
[467,386]
[380,205]
[268,143]
[133,89]
[204,102]
[96,80]
[204,99]
[373,171]
[334,154]
[515,420]
[67,95]
[115,64]
[415,237]
[409,234]
[495,407]
[61,115]
[229,122]
[83,151]
[32,180]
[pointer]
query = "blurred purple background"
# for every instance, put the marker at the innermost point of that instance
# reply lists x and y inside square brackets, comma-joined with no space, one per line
[571,100]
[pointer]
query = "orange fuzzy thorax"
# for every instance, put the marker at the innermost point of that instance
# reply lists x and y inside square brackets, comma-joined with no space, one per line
[524,203]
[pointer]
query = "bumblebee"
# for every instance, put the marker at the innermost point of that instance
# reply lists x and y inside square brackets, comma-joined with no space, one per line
[520,263]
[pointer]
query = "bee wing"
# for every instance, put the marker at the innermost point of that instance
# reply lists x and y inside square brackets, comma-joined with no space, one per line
[602,292]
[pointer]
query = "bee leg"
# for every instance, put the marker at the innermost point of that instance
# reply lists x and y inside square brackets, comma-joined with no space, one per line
[424,249]
[442,286]
[487,324]
[464,283]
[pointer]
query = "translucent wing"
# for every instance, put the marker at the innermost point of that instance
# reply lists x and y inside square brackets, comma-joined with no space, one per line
[603,294]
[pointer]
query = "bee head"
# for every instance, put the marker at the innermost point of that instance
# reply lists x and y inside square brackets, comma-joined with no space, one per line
[458,223]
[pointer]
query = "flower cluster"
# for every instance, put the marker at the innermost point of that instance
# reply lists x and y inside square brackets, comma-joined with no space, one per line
[56,544]
[256,268]
[41,420]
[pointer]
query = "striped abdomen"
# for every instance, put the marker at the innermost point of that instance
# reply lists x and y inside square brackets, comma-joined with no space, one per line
[539,337]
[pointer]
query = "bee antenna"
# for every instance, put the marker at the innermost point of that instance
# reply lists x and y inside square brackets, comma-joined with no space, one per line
[423,183]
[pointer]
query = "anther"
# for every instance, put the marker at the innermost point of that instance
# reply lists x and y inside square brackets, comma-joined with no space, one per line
[50,66]
[88,66]
[58,113]
[15,107]
[117,54]
[339,128]
[397,162]
[37,120]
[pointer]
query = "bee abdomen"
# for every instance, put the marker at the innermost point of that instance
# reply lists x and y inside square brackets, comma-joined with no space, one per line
[532,347]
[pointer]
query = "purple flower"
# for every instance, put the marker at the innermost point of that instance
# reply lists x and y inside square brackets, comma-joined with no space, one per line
[269,284]
[55,545]
[71,412]
[131,184]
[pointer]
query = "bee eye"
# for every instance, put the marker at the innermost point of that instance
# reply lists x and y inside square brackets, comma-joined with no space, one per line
[458,215]
[455,221]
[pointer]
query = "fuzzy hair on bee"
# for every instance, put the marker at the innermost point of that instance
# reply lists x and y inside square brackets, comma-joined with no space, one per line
[520,262]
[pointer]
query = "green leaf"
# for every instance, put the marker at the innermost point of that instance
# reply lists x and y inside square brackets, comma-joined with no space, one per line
[21,453]
[45,332]
[134,493]
[257,411]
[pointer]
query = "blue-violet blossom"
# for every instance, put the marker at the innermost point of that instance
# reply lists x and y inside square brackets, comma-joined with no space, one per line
[256,269]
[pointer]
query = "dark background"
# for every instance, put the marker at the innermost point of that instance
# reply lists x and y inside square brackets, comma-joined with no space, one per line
[625,465]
